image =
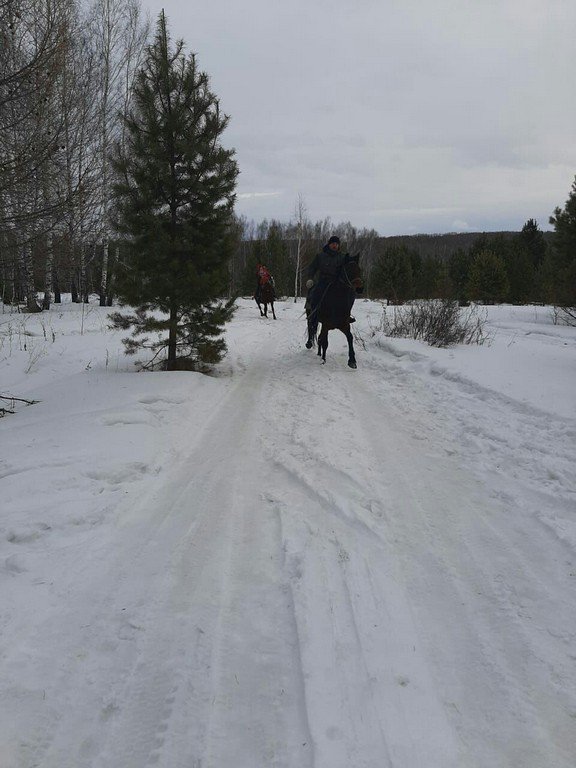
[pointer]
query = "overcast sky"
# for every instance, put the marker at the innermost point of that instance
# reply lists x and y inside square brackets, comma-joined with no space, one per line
[402,115]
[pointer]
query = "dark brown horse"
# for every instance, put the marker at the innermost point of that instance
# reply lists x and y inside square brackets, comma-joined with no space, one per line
[334,308]
[264,296]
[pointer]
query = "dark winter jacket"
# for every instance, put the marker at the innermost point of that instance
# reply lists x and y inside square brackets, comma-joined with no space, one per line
[326,264]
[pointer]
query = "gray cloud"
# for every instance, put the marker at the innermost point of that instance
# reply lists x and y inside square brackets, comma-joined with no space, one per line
[425,116]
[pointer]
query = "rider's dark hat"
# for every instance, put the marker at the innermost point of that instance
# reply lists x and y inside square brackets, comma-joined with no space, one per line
[334,239]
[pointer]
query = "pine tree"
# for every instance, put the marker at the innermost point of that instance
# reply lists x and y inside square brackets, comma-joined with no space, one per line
[524,262]
[392,275]
[174,204]
[564,252]
[488,281]
[531,239]
[459,264]
[521,273]
[429,275]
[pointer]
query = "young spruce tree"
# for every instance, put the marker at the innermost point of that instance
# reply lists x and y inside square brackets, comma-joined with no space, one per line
[174,203]
[487,281]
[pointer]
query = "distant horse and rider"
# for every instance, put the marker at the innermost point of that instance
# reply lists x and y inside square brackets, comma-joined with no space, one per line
[265,293]
[331,297]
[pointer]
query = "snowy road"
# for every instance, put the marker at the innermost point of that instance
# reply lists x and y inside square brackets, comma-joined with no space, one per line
[331,569]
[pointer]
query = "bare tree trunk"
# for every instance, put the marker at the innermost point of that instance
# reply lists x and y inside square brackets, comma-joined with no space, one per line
[27,272]
[74,265]
[74,293]
[82,287]
[57,294]
[296,276]
[110,296]
[8,282]
[48,272]
[104,275]
[300,216]
[172,335]
[120,36]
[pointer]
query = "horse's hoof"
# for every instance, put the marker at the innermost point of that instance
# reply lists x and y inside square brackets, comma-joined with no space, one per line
[352,364]
[309,344]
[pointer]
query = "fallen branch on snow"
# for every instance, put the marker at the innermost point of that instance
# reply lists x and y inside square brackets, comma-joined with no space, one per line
[11,399]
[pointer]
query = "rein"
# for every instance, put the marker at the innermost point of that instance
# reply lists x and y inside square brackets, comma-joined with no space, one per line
[347,280]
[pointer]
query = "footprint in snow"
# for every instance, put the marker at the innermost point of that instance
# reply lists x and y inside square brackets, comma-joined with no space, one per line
[15,564]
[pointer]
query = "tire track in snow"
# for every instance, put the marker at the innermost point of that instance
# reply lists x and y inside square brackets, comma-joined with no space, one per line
[356,632]
[467,551]
[499,683]
[259,717]
[345,724]
[108,665]
[337,503]
[240,697]
[156,696]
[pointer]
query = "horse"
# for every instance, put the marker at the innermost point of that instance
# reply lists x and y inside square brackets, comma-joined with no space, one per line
[265,296]
[334,309]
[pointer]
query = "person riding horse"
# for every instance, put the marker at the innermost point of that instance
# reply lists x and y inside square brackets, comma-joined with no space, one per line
[265,292]
[263,277]
[326,264]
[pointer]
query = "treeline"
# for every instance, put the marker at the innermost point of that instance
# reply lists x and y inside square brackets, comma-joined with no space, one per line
[66,76]
[496,267]
[530,266]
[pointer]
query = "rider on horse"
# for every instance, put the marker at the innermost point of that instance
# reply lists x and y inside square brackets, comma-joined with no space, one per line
[263,277]
[327,264]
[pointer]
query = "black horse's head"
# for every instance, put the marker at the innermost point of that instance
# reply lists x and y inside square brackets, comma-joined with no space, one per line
[351,274]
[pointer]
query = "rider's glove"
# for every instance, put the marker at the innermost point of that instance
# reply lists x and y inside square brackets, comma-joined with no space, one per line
[309,284]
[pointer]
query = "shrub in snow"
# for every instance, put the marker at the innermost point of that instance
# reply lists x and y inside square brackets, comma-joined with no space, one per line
[565,316]
[438,322]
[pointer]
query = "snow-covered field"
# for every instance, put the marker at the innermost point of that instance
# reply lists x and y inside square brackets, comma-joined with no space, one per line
[288,565]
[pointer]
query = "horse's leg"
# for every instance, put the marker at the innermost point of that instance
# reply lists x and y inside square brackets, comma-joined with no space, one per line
[311,331]
[351,356]
[265,313]
[273,313]
[323,344]
[260,308]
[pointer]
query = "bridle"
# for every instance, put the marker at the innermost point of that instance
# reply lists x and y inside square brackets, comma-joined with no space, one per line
[356,282]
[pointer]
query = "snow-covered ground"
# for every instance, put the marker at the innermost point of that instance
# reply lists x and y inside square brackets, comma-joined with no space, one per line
[288,565]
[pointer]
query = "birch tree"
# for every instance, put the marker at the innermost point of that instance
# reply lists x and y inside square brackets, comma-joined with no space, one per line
[119,36]
[34,56]
[34,39]
[300,213]
[77,90]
